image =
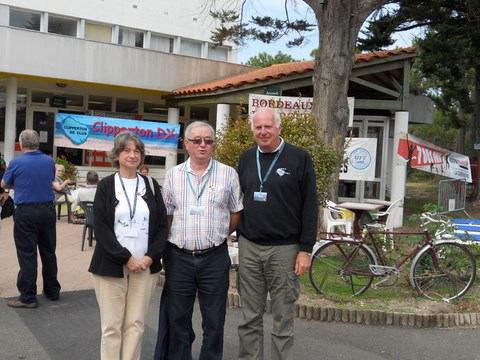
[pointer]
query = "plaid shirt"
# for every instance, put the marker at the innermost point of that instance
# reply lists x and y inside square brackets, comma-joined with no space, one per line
[201,219]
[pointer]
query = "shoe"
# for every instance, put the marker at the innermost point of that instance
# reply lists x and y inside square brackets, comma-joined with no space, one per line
[17,304]
[53,297]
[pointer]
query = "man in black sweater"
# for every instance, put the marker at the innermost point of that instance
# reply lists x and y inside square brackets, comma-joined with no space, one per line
[277,230]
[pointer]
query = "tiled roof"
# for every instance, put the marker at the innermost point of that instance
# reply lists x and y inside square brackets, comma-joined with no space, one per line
[278,71]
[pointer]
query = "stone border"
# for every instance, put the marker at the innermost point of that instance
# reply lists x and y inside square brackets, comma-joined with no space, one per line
[372,317]
[368,317]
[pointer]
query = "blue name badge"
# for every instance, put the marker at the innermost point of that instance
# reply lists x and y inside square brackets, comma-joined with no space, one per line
[260,196]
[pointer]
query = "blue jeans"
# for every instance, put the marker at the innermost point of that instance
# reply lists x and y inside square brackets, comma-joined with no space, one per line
[185,276]
[35,225]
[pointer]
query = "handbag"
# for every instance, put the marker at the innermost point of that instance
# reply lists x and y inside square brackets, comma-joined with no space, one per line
[8,208]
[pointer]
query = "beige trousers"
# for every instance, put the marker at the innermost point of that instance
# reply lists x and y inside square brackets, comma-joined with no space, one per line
[123,304]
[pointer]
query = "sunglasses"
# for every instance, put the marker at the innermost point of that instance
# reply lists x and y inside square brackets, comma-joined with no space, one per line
[199,141]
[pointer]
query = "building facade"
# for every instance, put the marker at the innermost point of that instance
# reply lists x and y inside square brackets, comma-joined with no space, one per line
[117,58]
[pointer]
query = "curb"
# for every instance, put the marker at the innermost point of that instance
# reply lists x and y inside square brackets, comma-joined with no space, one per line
[373,317]
[368,317]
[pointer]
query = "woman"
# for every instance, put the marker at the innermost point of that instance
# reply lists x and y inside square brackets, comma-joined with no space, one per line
[130,226]
[61,189]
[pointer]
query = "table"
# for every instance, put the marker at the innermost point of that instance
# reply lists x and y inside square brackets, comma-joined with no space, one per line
[358,209]
[385,203]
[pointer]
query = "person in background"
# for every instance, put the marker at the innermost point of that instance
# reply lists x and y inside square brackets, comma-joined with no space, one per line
[61,189]
[3,166]
[278,229]
[87,193]
[203,202]
[31,175]
[130,225]
[144,170]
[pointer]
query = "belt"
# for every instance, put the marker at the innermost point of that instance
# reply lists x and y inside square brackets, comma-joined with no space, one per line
[35,204]
[198,253]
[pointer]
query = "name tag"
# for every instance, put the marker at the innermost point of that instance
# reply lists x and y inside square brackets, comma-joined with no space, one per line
[197,210]
[260,196]
[130,231]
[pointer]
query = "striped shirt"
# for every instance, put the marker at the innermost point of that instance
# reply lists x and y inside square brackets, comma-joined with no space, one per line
[201,207]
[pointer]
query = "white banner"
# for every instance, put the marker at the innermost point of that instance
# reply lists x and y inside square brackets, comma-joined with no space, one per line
[289,105]
[360,156]
[433,159]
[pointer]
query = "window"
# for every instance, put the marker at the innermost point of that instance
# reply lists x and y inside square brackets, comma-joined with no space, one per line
[98,32]
[191,48]
[153,108]
[161,43]
[199,113]
[99,103]
[62,26]
[127,106]
[24,20]
[217,53]
[130,37]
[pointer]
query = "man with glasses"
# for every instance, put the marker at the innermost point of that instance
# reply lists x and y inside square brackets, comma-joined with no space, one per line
[203,202]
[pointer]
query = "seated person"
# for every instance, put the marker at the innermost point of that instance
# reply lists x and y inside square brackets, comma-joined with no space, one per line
[144,170]
[87,193]
[61,188]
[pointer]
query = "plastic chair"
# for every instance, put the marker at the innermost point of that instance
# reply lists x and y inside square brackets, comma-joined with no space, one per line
[386,219]
[59,203]
[335,216]
[87,207]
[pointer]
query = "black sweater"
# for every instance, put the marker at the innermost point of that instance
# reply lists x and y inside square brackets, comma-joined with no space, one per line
[290,214]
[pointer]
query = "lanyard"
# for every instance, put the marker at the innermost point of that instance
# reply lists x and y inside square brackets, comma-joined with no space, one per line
[259,168]
[204,184]
[132,212]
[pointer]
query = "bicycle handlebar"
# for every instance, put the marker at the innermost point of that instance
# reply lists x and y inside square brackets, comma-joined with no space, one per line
[427,218]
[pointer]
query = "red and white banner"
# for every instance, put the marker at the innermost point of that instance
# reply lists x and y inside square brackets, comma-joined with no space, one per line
[433,159]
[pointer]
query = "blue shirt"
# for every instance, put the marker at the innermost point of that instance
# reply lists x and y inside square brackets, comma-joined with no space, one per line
[31,175]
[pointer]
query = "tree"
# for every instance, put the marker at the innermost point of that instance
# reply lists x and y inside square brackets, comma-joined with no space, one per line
[449,54]
[264,60]
[339,23]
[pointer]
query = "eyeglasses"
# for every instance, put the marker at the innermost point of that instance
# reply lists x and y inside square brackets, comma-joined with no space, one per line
[199,141]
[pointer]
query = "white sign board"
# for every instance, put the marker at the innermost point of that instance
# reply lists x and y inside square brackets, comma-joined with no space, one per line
[360,156]
[289,105]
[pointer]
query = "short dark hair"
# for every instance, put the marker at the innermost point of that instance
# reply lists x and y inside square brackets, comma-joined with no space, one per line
[92,177]
[120,143]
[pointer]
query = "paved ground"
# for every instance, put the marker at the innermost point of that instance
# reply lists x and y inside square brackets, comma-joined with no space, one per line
[69,328]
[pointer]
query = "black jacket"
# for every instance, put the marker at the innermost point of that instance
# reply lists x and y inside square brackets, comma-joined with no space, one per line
[109,256]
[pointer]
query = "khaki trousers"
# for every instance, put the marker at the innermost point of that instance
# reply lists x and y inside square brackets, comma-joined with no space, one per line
[263,270]
[123,304]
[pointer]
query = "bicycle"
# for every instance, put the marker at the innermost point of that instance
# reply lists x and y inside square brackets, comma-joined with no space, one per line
[442,268]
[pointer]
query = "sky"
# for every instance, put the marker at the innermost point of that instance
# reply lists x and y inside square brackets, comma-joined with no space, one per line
[275,9]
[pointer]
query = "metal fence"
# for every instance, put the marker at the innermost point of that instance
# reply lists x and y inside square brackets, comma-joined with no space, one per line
[452,195]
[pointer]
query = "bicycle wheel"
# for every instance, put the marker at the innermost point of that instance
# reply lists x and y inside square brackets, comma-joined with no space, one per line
[443,272]
[342,269]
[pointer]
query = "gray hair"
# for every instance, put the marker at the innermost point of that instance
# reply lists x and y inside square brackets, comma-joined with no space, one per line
[59,167]
[29,139]
[92,177]
[197,124]
[120,143]
[275,114]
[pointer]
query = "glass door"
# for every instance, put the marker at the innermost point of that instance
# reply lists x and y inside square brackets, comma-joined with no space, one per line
[44,124]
